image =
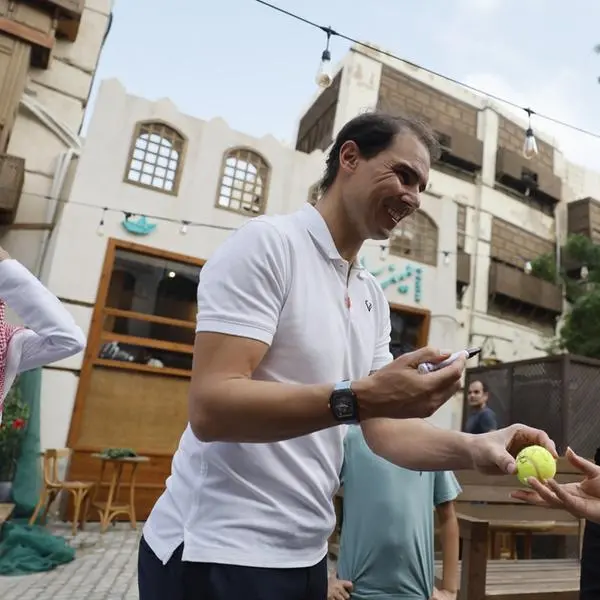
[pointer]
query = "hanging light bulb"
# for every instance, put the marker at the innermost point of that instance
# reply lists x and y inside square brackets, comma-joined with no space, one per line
[530,148]
[184,227]
[324,74]
[384,252]
[584,273]
[528,268]
[446,258]
[100,228]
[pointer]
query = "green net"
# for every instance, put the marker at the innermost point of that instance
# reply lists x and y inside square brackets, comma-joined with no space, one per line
[28,477]
[25,549]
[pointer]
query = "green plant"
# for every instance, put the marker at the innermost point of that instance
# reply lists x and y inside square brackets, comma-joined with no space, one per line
[580,330]
[15,417]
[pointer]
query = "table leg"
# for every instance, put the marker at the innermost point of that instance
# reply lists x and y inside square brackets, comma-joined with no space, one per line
[132,518]
[98,485]
[106,516]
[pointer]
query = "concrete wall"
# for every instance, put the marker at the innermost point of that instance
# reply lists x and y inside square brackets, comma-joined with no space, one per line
[62,91]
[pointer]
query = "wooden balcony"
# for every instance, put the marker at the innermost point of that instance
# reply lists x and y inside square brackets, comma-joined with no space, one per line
[459,150]
[511,282]
[68,14]
[520,175]
[463,268]
[583,218]
[12,178]
[40,22]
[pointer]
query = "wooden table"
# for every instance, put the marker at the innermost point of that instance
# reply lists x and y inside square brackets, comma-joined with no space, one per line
[514,529]
[110,508]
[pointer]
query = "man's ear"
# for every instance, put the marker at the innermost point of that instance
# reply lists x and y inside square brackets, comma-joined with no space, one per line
[349,156]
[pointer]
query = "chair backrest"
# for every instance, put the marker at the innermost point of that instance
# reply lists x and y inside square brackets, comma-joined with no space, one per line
[52,456]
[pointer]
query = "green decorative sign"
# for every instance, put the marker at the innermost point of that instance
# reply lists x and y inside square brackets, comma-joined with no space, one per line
[390,274]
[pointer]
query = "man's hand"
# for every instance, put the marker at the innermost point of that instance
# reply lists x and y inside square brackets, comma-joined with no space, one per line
[442,595]
[399,391]
[4,255]
[338,589]
[494,452]
[581,499]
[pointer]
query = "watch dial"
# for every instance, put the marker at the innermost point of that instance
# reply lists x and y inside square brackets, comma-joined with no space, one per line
[344,407]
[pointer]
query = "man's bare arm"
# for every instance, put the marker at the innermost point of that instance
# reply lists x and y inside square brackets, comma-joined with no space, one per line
[449,538]
[226,405]
[418,445]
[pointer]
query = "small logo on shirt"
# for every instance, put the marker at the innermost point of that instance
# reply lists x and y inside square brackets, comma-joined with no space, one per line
[369,305]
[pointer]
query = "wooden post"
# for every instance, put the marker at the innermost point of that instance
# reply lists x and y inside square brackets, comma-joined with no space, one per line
[474,534]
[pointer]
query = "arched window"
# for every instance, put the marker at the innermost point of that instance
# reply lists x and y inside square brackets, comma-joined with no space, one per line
[244,182]
[314,193]
[416,237]
[156,157]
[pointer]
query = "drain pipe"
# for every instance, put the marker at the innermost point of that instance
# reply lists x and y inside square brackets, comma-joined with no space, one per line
[73,142]
[475,256]
[54,206]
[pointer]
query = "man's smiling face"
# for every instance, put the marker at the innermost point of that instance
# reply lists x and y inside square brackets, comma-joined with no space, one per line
[381,191]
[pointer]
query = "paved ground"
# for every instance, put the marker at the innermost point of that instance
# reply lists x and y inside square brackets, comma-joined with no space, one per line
[105,568]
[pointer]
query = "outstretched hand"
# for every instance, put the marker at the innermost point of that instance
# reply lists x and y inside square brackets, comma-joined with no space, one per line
[494,452]
[581,499]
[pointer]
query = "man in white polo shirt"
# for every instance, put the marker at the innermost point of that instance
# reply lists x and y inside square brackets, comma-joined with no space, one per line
[292,342]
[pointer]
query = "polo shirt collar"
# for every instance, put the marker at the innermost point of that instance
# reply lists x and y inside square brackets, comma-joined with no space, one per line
[318,230]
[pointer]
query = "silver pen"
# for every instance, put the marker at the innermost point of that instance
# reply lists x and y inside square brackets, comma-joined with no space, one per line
[428,367]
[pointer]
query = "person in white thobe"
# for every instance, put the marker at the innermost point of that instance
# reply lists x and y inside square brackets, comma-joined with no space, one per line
[48,334]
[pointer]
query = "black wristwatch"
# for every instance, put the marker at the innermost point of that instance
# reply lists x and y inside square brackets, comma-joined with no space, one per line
[343,403]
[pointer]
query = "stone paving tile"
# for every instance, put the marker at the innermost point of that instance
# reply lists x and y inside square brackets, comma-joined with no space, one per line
[105,568]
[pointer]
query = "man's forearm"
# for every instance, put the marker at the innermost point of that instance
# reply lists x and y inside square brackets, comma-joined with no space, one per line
[243,410]
[449,538]
[418,445]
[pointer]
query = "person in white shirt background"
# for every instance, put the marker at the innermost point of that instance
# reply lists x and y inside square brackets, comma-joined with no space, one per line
[48,334]
[292,344]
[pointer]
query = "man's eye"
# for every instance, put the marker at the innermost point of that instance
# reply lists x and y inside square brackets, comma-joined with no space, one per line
[404,176]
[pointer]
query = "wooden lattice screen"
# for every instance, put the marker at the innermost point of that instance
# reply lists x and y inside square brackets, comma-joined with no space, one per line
[559,394]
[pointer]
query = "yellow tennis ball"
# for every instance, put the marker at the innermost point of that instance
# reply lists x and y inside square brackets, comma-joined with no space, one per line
[535,461]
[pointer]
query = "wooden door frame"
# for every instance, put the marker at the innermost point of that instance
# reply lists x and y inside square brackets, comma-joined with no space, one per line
[421,312]
[95,331]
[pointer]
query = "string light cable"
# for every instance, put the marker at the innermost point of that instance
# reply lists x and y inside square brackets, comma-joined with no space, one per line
[185,225]
[529,145]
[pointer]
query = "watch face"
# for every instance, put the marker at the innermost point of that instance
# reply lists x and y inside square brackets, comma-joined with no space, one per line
[343,407]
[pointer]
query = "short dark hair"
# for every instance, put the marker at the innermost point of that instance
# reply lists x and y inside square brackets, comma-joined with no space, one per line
[373,133]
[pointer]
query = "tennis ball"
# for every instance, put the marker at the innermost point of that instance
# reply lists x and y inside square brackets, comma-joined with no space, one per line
[535,461]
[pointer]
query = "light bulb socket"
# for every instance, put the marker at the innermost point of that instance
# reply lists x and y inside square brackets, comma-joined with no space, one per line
[326,56]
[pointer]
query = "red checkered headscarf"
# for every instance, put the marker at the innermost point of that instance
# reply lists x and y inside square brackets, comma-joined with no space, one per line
[6,333]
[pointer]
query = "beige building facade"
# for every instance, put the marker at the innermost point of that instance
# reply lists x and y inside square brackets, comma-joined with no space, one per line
[156,191]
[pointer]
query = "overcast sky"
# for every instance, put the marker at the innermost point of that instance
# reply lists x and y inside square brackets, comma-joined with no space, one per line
[255,68]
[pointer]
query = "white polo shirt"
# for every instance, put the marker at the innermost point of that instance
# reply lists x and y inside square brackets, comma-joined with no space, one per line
[282,281]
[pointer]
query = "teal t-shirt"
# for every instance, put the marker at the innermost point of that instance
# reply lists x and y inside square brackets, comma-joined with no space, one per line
[386,546]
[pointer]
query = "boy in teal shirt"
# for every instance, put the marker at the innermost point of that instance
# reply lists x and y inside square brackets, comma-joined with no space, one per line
[386,546]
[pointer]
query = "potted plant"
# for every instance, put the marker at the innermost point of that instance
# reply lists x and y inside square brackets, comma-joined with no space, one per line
[12,431]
